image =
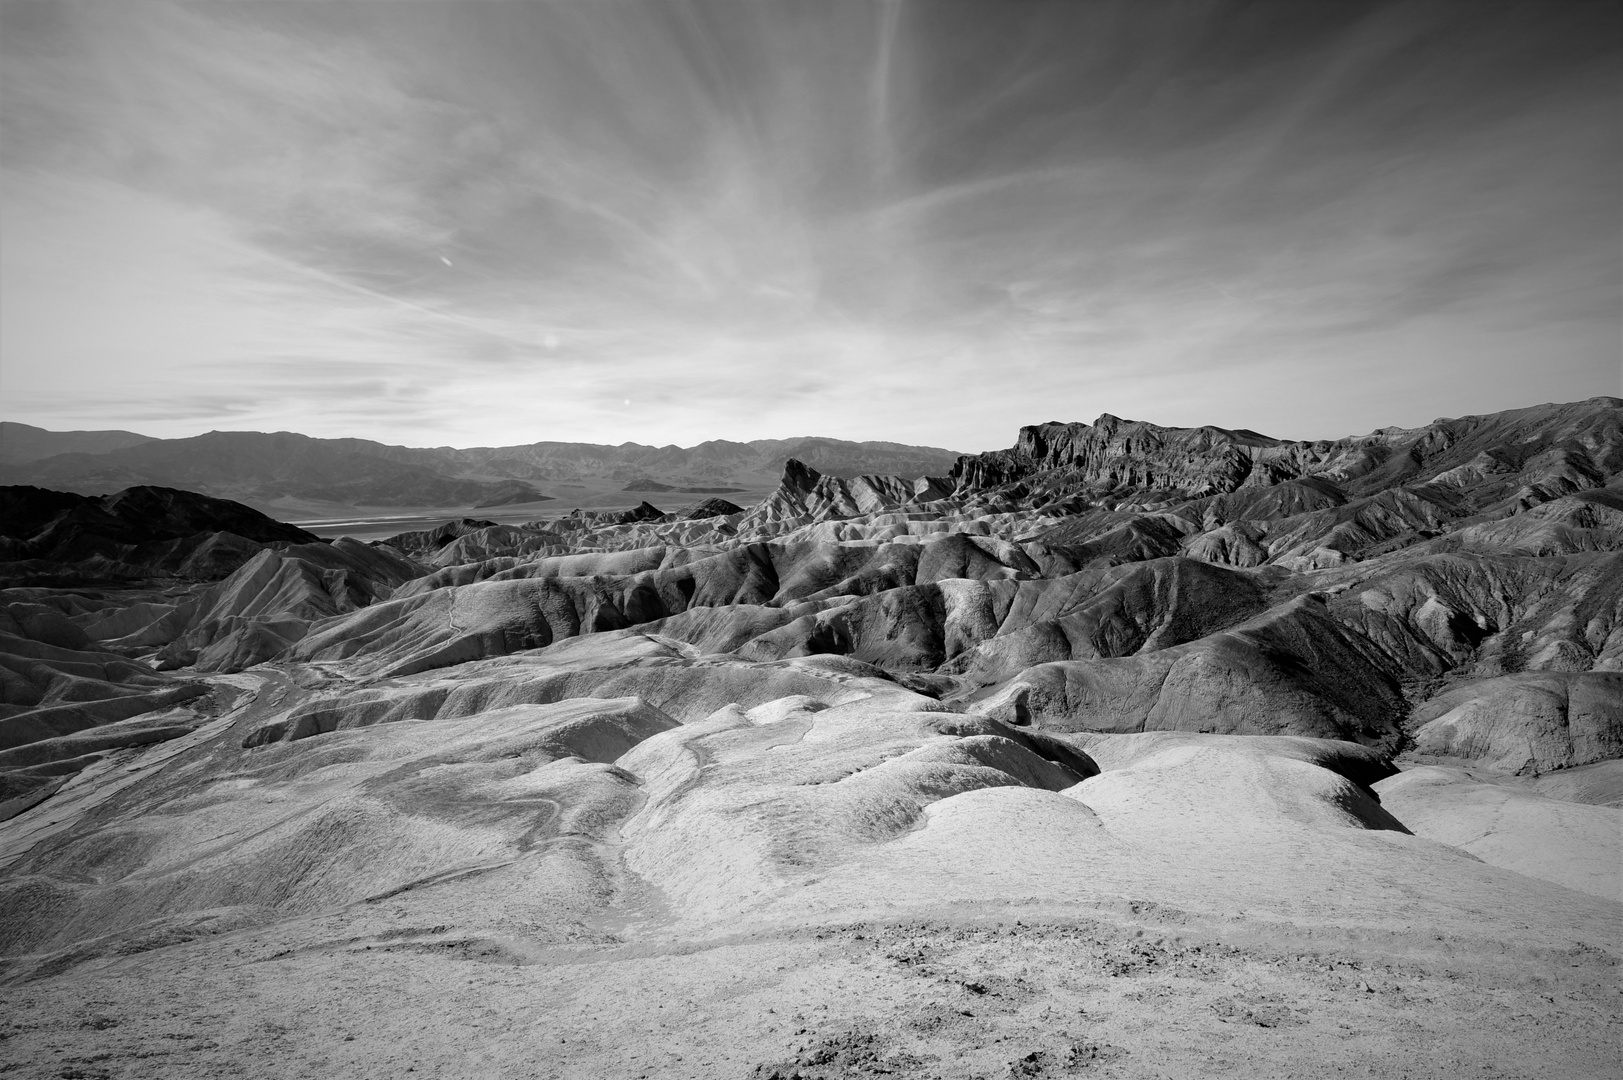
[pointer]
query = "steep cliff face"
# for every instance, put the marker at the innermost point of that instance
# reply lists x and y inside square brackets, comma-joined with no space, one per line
[805,495]
[1116,453]
[1547,450]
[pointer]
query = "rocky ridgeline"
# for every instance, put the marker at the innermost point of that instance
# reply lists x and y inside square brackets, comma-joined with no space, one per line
[1550,449]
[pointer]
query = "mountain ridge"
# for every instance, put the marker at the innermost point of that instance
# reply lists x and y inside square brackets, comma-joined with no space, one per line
[1136,456]
[264,467]
[21,443]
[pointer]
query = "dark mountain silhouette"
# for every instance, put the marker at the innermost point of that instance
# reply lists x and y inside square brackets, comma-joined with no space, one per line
[137,532]
[22,442]
[262,468]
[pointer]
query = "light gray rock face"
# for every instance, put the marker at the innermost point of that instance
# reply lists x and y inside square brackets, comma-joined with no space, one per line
[1513,826]
[1528,722]
[270,603]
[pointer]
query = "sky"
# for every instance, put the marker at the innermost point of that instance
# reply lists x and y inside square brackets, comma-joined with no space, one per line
[924,221]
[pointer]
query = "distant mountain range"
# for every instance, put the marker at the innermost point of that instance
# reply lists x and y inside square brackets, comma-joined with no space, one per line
[20,442]
[263,469]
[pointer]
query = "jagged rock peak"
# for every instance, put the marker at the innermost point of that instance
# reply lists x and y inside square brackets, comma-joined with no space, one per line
[798,476]
[709,508]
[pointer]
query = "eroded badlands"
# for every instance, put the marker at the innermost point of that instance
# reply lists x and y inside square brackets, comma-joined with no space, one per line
[1129,751]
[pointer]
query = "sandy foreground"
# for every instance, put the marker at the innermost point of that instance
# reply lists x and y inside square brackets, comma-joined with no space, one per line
[1194,910]
[945,994]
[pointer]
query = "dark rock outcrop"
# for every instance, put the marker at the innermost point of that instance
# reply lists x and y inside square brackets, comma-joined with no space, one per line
[136,533]
[709,508]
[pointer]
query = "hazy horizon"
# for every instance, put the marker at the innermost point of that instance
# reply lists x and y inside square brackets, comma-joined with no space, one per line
[491,224]
[773,438]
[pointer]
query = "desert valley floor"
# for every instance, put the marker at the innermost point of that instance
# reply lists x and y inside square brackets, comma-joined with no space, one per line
[1128,752]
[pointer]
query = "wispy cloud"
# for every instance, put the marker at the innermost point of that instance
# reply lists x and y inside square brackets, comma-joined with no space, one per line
[927,222]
